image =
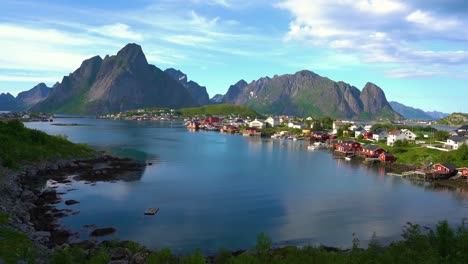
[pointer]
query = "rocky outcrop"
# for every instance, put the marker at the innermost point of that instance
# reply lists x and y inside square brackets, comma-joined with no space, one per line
[198,92]
[116,83]
[306,93]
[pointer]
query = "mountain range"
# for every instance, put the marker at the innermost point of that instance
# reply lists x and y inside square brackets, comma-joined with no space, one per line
[26,99]
[127,81]
[416,113]
[306,93]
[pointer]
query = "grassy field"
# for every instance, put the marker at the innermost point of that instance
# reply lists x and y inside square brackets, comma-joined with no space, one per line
[420,156]
[19,144]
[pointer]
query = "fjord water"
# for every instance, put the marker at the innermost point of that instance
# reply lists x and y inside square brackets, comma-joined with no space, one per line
[216,190]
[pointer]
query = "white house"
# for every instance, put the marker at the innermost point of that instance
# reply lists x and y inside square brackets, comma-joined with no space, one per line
[359,131]
[455,142]
[273,121]
[296,125]
[368,128]
[396,135]
[337,124]
[256,124]
[380,134]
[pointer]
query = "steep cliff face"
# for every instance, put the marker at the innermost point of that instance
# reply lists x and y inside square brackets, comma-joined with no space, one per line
[198,92]
[35,95]
[306,93]
[117,83]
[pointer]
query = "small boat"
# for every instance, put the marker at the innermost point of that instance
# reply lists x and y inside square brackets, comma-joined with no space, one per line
[316,146]
[347,158]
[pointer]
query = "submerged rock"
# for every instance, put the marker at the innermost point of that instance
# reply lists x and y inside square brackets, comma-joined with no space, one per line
[71,202]
[103,231]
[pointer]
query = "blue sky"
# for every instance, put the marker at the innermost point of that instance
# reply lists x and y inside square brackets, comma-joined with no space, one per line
[415,50]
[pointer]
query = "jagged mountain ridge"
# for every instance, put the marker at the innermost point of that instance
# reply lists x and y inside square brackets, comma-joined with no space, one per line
[415,113]
[198,92]
[116,83]
[306,93]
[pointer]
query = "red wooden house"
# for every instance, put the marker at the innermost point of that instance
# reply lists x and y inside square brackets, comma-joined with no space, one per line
[345,149]
[464,172]
[320,135]
[211,120]
[368,135]
[352,144]
[387,157]
[372,151]
[445,168]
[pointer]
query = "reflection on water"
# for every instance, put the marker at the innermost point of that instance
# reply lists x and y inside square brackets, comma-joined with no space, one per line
[216,190]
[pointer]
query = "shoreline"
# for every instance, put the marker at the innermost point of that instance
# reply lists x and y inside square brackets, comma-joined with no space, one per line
[30,206]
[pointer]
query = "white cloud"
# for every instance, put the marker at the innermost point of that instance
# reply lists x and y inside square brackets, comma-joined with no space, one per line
[427,20]
[117,30]
[388,32]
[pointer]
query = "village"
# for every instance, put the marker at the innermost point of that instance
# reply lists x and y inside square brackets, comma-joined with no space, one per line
[348,139]
[371,142]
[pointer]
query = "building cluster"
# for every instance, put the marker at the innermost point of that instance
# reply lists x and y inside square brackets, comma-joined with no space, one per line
[26,116]
[144,115]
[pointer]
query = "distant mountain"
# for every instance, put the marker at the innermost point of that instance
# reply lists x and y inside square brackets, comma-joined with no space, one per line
[198,92]
[455,119]
[416,113]
[9,103]
[116,83]
[217,99]
[35,95]
[306,93]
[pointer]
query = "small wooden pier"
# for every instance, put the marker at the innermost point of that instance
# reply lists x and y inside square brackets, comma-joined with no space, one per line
[151,211]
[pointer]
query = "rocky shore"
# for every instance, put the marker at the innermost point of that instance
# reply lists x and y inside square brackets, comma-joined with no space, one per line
[30,204]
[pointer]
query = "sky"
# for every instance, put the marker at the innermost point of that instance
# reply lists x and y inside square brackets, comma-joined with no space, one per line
[416,51]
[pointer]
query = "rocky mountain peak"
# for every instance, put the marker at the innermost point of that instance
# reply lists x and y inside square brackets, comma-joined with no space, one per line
[133,53]
[177,75]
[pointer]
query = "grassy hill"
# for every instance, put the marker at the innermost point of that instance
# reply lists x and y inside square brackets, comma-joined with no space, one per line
[19,144]
[455,119]
[220,109]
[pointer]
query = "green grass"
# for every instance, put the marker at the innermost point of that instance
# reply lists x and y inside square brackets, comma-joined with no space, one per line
[417,155]
[14,246]
[220,109]
[20,145]
[3,219]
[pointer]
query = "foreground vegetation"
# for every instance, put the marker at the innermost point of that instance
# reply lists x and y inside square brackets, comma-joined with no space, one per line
[419,245]
[20,144]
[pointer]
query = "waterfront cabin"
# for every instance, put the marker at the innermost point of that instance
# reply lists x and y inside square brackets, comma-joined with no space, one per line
[352,144]
[211,121]
[464,172]
[445,168]
[387,157]
[372,151]
[318,135]
[345,149]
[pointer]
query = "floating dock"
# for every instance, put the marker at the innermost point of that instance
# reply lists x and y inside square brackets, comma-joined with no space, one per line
[151,211]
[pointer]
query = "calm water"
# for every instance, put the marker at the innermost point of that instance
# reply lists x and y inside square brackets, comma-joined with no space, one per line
[217,190]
